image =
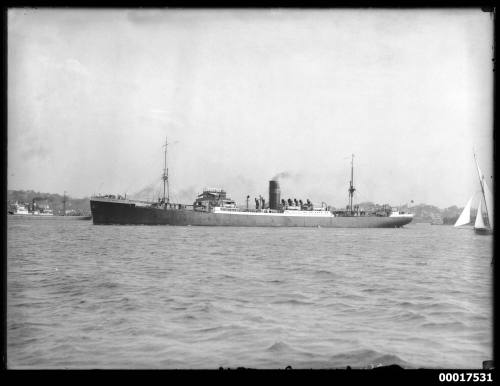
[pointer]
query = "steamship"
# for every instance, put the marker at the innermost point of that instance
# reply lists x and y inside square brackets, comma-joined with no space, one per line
[213,207]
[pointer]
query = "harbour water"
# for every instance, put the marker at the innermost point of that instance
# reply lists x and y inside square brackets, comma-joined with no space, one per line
[84,296]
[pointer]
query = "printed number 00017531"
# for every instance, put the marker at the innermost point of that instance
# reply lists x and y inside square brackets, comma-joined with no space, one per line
[465,377]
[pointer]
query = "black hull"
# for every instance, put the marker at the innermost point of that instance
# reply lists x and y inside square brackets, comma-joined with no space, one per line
[483,231]
[106,212]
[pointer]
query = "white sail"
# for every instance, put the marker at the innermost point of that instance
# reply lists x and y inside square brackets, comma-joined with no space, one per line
[489,203]
[488,199]
[479,224]
[479,172]
[465,215]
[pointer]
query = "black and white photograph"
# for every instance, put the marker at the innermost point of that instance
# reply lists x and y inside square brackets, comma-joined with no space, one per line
[254,188]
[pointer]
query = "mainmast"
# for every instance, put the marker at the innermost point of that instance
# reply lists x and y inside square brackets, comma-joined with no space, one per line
[351,186]
[165,176]
[64,204]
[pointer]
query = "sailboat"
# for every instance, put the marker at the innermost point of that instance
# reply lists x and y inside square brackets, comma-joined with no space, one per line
[487,199]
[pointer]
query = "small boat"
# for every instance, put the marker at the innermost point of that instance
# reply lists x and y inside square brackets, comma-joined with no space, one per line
[20,209]
[479,226]
[485,199]
[25,210]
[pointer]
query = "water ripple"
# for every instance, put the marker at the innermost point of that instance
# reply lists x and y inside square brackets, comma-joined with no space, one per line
[84,296]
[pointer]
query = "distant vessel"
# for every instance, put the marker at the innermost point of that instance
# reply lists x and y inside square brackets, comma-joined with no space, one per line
[45,212]
[20,209]
[487,198]
[27,210]
[40,210]
[214,208]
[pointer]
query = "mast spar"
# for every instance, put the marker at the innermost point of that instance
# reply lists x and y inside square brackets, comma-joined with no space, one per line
[165,176]
[351,185]
[64,204]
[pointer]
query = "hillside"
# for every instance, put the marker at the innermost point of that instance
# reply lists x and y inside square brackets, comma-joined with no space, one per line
[81,206]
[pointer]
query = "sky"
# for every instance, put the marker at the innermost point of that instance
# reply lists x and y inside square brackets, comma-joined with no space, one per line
[246,95]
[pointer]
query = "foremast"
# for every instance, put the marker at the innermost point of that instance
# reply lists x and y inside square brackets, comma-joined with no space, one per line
[166,199]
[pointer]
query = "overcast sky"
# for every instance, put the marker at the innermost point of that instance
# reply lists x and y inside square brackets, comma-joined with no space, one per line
[246,94]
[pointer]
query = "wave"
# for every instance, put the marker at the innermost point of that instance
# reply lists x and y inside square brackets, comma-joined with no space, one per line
[409,316]
[456,325]
[293,302]
[107,285]
[324,272]
[210,329]
[275,281]
[389,359]
[361,359]
[227,276]
[280,347]
[366,358]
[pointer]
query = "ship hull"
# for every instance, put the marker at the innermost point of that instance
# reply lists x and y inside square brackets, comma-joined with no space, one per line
[127,213]
[483,231]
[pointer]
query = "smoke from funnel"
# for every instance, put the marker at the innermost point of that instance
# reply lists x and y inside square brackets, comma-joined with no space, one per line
[281,176]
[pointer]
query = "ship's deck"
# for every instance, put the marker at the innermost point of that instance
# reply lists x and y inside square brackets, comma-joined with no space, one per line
[270,212]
